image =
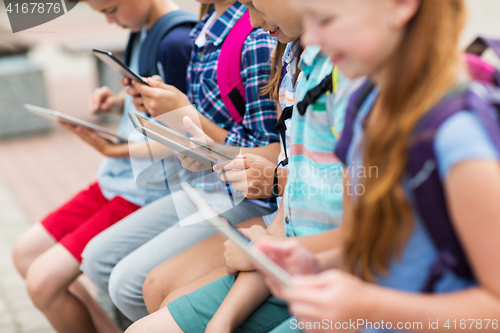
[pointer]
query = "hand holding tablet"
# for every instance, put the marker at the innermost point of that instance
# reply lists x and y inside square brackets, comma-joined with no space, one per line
[265,263]
[176,141]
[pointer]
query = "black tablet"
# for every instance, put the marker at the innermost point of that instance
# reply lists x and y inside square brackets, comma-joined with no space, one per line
[109,59]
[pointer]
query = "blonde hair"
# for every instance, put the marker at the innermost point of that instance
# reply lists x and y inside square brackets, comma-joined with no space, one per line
[421,71]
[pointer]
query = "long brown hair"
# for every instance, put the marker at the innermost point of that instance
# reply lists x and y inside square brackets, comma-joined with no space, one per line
[423,69]
[204,8]
[272,87]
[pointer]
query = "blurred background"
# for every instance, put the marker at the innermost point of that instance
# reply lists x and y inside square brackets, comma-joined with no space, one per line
[42,165]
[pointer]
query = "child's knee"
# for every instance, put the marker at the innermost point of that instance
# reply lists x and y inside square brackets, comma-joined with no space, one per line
[20,256]
[27,248]
[96,264]
[41,286]
[125,290]
[156,287]
[173,296]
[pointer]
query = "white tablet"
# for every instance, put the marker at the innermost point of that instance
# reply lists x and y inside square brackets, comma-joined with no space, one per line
[54,115]
[237,237]
[176,141]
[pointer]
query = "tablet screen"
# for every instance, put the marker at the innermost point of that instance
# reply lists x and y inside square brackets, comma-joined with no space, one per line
[172,135]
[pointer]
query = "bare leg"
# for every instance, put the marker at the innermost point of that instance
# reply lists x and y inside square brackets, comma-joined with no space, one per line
[162,321]
[48,279]
[187,266]
[35,241]
[32,245]
[102,321]
[196,284]
[181,269]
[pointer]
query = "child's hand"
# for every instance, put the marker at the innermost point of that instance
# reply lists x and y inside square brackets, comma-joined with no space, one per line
[292,257]
[158,98]
[105,147]
[249,173]
[136,96]
[103,100]
[235,259]
[332,295]
[201,137]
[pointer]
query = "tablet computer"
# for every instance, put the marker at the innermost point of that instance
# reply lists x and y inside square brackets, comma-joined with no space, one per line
[54,115]
[237,237]
[109,59]
[176,141]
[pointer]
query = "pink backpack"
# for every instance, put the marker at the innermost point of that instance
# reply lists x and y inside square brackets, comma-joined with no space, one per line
[229,77]
[479,69]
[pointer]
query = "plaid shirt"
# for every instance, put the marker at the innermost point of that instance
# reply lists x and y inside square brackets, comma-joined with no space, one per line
[257,127]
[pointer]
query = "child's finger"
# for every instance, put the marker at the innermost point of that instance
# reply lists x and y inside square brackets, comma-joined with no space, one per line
[143,89]
[156,78]
[137,100]
[132,91]
[110,101]
[98,97]
[234,176]
[125,81]
[239,163]
[66,125]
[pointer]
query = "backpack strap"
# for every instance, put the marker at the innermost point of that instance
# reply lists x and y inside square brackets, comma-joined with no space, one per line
[229,77]
[355,102]
[426,183]
[148,64]
[312,95]
[481,44]
[281,127]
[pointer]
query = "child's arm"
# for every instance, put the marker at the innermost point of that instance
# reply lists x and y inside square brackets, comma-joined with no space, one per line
[247,294]
[104,146]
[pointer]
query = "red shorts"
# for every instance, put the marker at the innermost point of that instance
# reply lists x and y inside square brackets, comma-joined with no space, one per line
[83,217]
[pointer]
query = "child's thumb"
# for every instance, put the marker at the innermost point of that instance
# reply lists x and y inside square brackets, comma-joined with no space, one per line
[191,127]
[155,81]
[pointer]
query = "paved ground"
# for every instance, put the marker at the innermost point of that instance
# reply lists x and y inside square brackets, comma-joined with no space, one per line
[17,314]
[38,173]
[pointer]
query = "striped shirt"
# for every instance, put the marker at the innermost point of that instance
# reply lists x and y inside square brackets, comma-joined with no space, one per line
[286,94]
[257,127]
[313,194]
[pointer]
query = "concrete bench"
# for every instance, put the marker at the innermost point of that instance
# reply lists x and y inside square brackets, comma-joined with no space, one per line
[21,82]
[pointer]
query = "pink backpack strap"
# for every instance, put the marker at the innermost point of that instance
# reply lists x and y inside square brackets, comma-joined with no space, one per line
[479,69]
[229,68]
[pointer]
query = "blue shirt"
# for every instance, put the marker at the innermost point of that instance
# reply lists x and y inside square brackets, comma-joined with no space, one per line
[410,272]
[257,127]
[116,176]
